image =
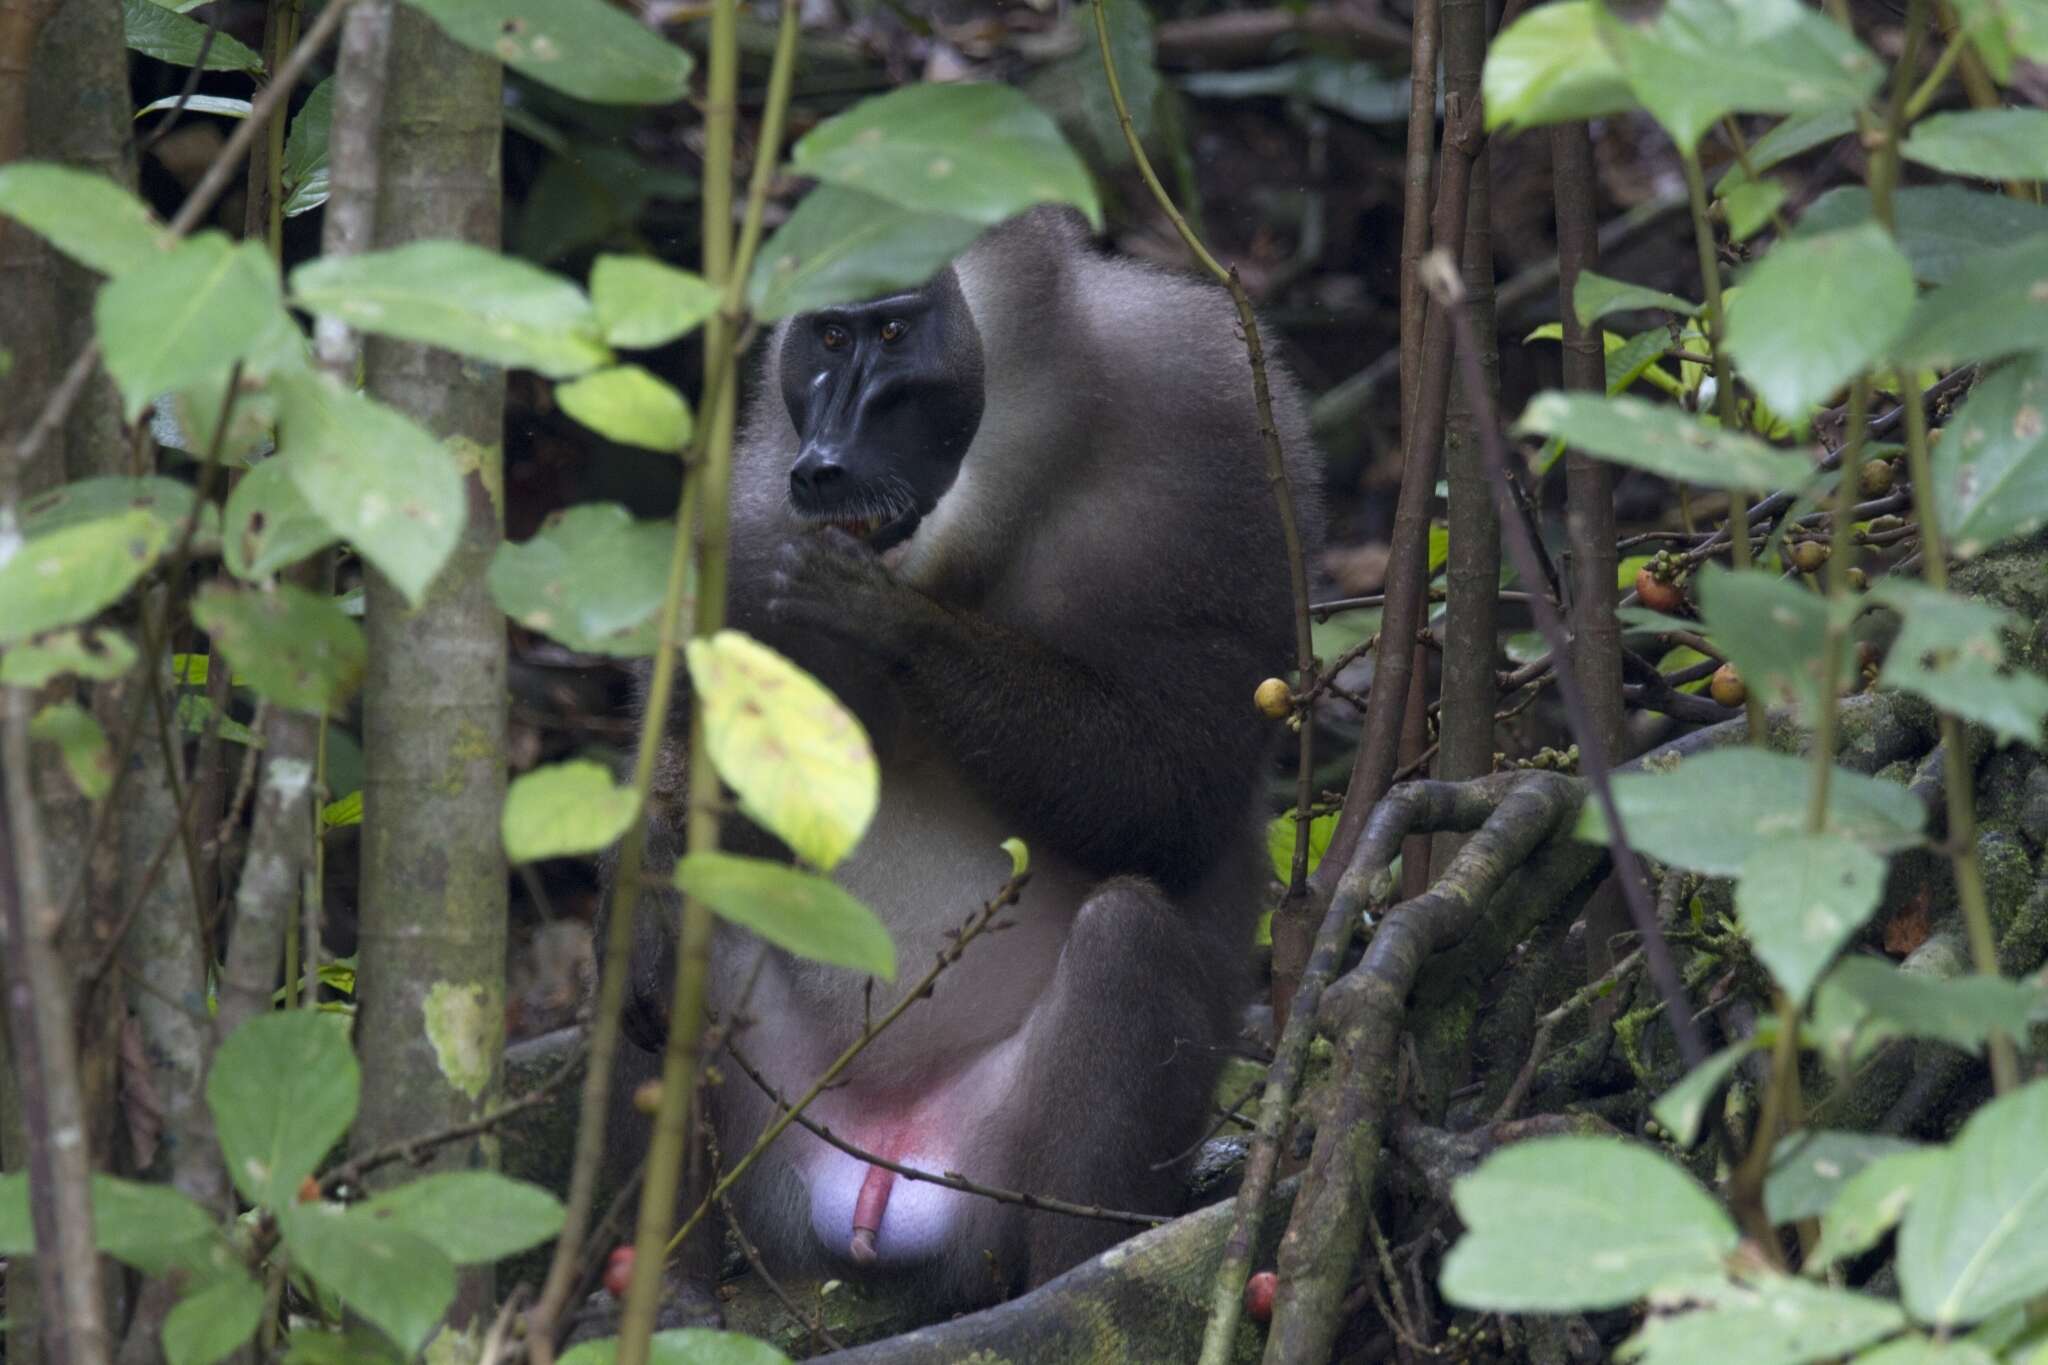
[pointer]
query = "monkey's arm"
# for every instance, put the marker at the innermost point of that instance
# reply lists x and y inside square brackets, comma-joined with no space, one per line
[1141,767]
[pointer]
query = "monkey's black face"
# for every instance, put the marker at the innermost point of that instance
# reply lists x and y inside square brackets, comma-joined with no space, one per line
[886,397]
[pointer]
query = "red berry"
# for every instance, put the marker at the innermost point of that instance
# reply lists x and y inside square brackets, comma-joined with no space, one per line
[618,1271]
[1258,1295]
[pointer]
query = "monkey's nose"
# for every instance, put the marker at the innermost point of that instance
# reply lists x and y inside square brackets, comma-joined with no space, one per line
[816,475]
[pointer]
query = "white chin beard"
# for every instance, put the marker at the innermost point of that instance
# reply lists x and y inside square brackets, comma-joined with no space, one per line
[895,554]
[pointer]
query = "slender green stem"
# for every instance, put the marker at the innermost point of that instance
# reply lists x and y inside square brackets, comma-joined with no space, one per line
[1736,140]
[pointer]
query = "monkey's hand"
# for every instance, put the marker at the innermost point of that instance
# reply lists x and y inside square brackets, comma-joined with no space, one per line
[830,583]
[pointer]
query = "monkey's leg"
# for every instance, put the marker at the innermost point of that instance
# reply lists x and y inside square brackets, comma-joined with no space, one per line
[1122,1061]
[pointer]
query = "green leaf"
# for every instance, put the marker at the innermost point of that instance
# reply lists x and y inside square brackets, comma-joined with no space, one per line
[1975,1237]
[268,524]
[1787,139]
[282,1090]
[87,500]
[792,909]
[628,405]
[472,1216]
[1915,1349]
[198,104]
[1941,228]
[96,654]
[189,314]
[1772,630]
[1993,144]
[642,302]
[2004,29]
[1662,440]
[841,246]
[1992,306]
[1683,1108]
[1550,66]
[1771,1320]
[293,646]
[1951,651]
[211,1324]
[683,1346]
[305,171]
[460,296]
[87,217]
[593,578]
[1870,1203]
[82,743]
[1631,359]
[1750,206]
[584,48]
[374,476]
[1280,841]
[564,809]
[1344,86]
[1801,898]
[156,32]
[66,576]
[151,1227]
[1699,60]
[398,1280]
[1810,1168]
[1990,468]
[1685,816]
[799,761]
[1817,311]
[1559,1224]
[1595,296]
[1866,1001]
[975,150]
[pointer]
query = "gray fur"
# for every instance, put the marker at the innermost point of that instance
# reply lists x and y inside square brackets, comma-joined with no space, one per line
[1065,650]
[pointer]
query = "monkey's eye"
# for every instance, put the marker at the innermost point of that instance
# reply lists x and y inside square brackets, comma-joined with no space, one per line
[893,330]
[835,337]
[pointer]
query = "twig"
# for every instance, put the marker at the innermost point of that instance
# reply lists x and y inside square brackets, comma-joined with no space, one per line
[1539,1046]
[810,1322]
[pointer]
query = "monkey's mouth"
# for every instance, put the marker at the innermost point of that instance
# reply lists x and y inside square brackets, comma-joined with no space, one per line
[880,531]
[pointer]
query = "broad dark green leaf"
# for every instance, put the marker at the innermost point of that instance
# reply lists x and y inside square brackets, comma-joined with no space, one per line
[2004,29]
[1975,1237]
[208,1325]
[683,1346]
[189,314]
[293,646]
[472,1216]
[1992,144]
[1671,815]
[151,1227]
[584,48]
[1870,1203]
[268,524]
[95,654]
[396,1279]
[800,911]
[74,504]
[1595,296]
[1788,138]
[1865,1001]
[564,809]
[1750,206]
[373,475]
[1560,1224]
[1770,1320]
[221,105]
[841,246]
[1990,467]
[1941,228]
[627,404]
[283,1089]
[1550,66]
[642,302]
[1995,305]
[1701,59]
[460,296]
[976,150]
[65,577]
[156,32]
[1683,1108]
[1662,440]
[1772,630]
[798,760]
[1817,311]
[593,578]
[1341,85]
[87,217]
[1951,651]
[305,152]
[81,742]
[1801,898]
[1809,1168]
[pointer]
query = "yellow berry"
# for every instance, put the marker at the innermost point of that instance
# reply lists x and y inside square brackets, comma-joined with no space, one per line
[1274,699]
